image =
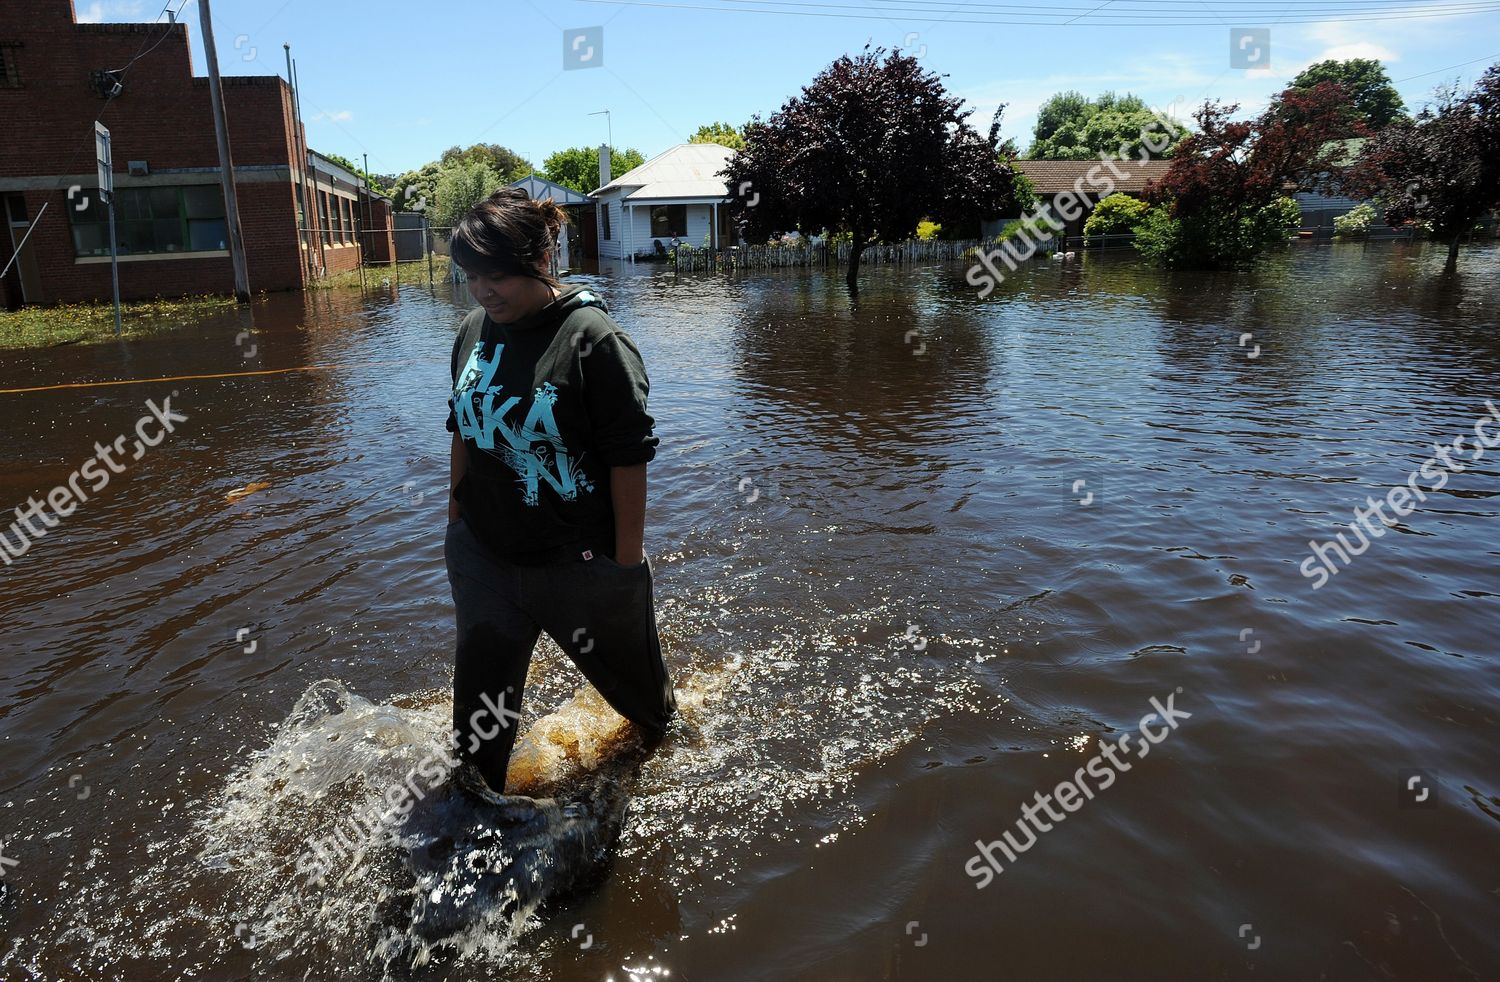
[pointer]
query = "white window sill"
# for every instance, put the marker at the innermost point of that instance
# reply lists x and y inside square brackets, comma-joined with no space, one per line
[152,256]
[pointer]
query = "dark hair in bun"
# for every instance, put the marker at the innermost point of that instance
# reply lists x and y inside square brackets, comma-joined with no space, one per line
[508,234]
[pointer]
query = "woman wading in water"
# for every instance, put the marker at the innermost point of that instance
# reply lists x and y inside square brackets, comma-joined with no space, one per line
[546,516]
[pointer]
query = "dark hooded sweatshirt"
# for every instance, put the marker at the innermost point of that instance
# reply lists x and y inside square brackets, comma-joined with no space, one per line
[545,407]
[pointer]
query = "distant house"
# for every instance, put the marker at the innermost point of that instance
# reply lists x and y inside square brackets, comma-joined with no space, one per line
[1050,178]
[678,193]
[1319,209]
[170,233]
[541,189]
[578,207]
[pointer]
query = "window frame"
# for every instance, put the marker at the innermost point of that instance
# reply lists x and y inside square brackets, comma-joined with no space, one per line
[10,68]
[139,207]
[666,215]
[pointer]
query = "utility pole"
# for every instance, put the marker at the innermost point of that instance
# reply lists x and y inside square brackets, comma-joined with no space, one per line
[226,166]
[306,165]
[359,233]
[304,234]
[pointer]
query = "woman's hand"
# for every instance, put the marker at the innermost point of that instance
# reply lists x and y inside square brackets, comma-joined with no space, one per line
[459,463]
[627,487]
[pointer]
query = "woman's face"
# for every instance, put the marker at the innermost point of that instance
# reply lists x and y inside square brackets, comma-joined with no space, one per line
[507,298]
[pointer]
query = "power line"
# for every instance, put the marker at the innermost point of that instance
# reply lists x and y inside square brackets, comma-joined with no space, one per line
[1494,57]
[140,53]
[1307,14]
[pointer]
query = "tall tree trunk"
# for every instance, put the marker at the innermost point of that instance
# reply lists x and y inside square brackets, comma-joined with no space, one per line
[852,277]
[1452,264]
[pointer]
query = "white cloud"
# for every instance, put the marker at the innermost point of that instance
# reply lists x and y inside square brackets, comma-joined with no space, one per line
[342,116]
[113,12]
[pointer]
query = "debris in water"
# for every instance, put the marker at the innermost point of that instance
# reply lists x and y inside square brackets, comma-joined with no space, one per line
[248,489]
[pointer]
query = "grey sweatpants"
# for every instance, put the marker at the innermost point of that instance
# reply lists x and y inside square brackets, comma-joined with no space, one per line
[600,613]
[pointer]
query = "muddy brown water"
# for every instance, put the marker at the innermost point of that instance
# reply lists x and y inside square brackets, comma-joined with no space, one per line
[896,612]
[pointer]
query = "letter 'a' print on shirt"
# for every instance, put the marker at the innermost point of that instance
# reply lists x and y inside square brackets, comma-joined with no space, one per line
[534,450]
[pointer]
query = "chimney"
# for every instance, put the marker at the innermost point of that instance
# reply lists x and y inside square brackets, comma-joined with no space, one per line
[603,164]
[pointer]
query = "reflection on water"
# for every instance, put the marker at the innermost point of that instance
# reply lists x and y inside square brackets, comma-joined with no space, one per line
[917,554]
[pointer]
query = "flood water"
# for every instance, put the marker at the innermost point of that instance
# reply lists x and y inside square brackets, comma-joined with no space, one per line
[915,558]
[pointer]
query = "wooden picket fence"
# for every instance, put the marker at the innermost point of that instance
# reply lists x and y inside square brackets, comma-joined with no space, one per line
[690,260]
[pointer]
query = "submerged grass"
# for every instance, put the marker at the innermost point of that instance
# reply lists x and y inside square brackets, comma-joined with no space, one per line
[94,323]
[409,272]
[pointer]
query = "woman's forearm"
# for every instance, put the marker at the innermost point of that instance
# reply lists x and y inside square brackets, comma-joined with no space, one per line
[458,464]
[627,488]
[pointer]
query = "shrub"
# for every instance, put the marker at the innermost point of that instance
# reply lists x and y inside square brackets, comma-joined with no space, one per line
[1357,221]
[1212,239]
[1118,214]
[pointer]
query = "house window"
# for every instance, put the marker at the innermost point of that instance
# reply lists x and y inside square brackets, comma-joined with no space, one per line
[604,213]
[668,220]
[152,220]
[10,76]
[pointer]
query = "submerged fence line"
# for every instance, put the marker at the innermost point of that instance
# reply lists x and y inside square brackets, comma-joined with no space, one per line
[691,260]
[688,259]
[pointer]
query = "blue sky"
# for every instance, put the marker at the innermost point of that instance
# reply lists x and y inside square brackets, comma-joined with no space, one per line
[404,81]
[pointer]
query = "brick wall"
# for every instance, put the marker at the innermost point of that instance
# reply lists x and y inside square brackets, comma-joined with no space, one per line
[164,117]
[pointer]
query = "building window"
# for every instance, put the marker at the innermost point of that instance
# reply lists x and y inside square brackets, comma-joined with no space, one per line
[604,213]
[152,220]
[10,75]
[348,207]
[323,217]
[668,220]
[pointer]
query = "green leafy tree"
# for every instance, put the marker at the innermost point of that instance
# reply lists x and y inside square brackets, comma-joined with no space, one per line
[873,145]
[504,161]
[461,185]
[1118,214]
[416,190]
[1365,82]
[720,133]
[1069,126]
[578,167]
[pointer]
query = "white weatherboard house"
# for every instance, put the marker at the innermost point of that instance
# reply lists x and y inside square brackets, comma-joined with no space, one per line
[678,192]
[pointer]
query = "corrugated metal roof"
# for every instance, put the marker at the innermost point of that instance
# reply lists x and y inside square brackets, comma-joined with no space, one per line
[688,170]
[1057,176]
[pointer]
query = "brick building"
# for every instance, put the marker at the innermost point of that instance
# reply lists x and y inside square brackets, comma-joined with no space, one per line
[169,206]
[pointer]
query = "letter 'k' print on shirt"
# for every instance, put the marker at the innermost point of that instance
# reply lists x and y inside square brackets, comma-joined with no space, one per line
[534,450]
